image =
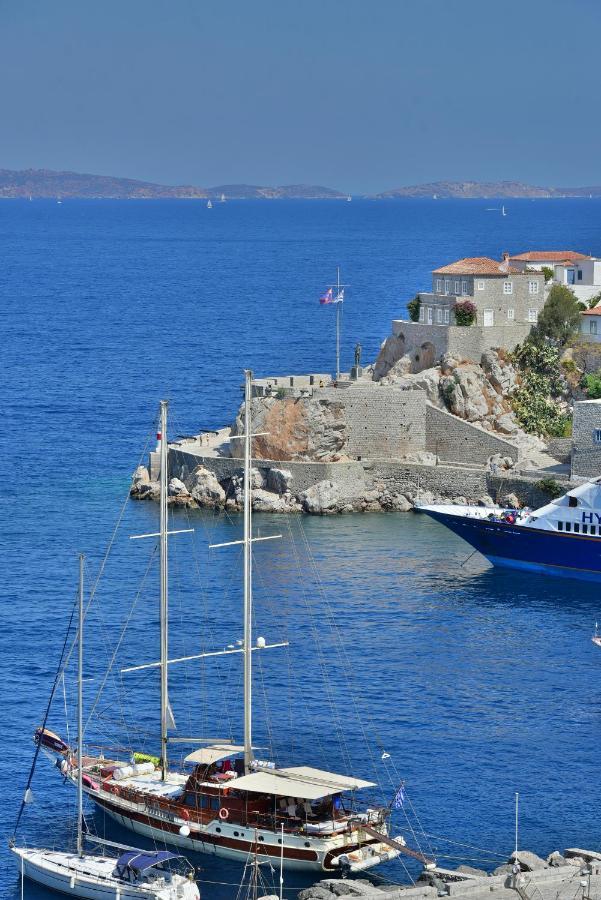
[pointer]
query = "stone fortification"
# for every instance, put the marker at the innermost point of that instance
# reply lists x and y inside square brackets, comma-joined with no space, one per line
[586,437]
[445,433]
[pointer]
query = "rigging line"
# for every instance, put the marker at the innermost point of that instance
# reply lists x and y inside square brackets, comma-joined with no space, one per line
[106,556]
[66,711]
[438,837]
[346,668]
[45,719]
[121,637]
[321,658]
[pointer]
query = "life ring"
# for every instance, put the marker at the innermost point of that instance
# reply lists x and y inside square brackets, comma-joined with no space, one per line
[223,813]
[116,790]
[185,815]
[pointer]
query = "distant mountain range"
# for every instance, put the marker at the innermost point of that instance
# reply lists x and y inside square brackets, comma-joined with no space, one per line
[44,183]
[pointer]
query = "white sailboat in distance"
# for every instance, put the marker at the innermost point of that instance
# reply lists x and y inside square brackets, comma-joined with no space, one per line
[134,875]
[223,800]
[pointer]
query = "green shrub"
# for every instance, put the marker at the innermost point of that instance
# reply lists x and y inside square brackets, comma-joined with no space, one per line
[465,312]
[592,385]
[550,487]
[594,301]
[413,308]
[547,272]
[559,318]
[534,403]
[568,365]
[280,393]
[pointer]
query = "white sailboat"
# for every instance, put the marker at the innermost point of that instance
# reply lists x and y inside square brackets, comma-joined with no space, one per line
[304,816]
[222,200]
[209,204]
[503,212]
[134,875]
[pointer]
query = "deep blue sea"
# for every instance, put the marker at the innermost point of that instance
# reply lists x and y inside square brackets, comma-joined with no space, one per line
[479,683]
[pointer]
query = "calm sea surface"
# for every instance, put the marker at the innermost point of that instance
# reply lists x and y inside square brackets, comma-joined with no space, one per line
[478,683]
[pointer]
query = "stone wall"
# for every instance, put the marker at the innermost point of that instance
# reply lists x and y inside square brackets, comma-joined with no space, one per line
[586,453]
[382,421]
[429,342]
[456,440]
[357,476]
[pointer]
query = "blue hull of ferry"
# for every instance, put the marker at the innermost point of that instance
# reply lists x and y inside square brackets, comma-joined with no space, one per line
[536,550]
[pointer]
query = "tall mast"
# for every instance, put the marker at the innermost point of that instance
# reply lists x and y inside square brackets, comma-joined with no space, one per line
[164,610]
[338,305]
[80,714]
[248,754]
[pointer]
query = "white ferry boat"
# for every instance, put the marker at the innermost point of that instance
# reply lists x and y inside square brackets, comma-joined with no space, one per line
[561,538]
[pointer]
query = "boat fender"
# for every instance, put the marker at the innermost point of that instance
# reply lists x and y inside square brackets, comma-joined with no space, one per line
[223,813]
[89,782]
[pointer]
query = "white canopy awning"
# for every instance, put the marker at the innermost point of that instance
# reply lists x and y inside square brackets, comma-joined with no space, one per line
[302,782]
[209,755]
[340,782]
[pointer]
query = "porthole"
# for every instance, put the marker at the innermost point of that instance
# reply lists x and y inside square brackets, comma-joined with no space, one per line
[218,830]
[307,844]
[235,834]
[279,840]
[261,838]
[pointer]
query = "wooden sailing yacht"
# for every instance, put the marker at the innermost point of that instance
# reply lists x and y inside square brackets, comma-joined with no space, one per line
[227,801]
[135,874]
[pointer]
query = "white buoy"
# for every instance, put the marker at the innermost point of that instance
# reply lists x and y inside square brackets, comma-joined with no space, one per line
[184,830]
[260,642]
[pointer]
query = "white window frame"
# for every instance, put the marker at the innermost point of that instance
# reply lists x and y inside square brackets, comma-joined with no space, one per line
[447,285]
[484,317]
[446,316]
[533,315]
[533,287]
[508,287]
[439,285]
[422,313]
[464,288]
[592,326]
[439,316]
[479,285]
[456,286]
[430,315]
[511,314]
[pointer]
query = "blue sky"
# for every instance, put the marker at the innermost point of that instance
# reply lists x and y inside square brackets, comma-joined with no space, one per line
[361,95]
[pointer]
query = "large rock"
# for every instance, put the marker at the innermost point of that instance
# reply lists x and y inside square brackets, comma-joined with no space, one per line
[267,501]
[499,371]
[140,476]
[529,862]
[469,870]
[279,480]
[391,351]
[323,497]
[177,488]
[296,428]
[205,488]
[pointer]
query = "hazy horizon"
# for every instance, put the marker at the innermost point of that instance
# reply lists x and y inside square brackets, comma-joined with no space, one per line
[349,96]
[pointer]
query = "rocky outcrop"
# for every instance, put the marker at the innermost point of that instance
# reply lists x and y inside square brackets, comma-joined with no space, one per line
[295,428]
[205,489]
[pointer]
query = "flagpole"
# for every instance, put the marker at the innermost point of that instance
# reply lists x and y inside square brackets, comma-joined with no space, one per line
[338,305]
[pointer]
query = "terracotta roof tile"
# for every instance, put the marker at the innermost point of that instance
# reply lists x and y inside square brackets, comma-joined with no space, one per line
[595,311]
[557,256]
[477,265]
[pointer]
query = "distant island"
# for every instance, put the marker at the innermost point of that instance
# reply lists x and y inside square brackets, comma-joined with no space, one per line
[470,190]
[47,184]
[44,183]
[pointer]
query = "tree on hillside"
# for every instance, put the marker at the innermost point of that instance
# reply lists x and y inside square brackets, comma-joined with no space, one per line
[559,318]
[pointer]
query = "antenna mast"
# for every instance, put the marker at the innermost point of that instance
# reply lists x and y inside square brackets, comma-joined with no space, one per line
[248,753]
[80,714]
[164,608]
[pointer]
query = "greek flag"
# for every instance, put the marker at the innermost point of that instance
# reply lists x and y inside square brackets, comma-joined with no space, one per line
[399,798]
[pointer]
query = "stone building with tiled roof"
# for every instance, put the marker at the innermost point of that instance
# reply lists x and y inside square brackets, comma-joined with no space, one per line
[507,302]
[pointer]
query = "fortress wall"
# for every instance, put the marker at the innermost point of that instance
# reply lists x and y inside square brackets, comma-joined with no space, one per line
[455,440]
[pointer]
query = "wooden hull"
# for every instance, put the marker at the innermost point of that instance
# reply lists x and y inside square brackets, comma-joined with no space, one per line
[231,841]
